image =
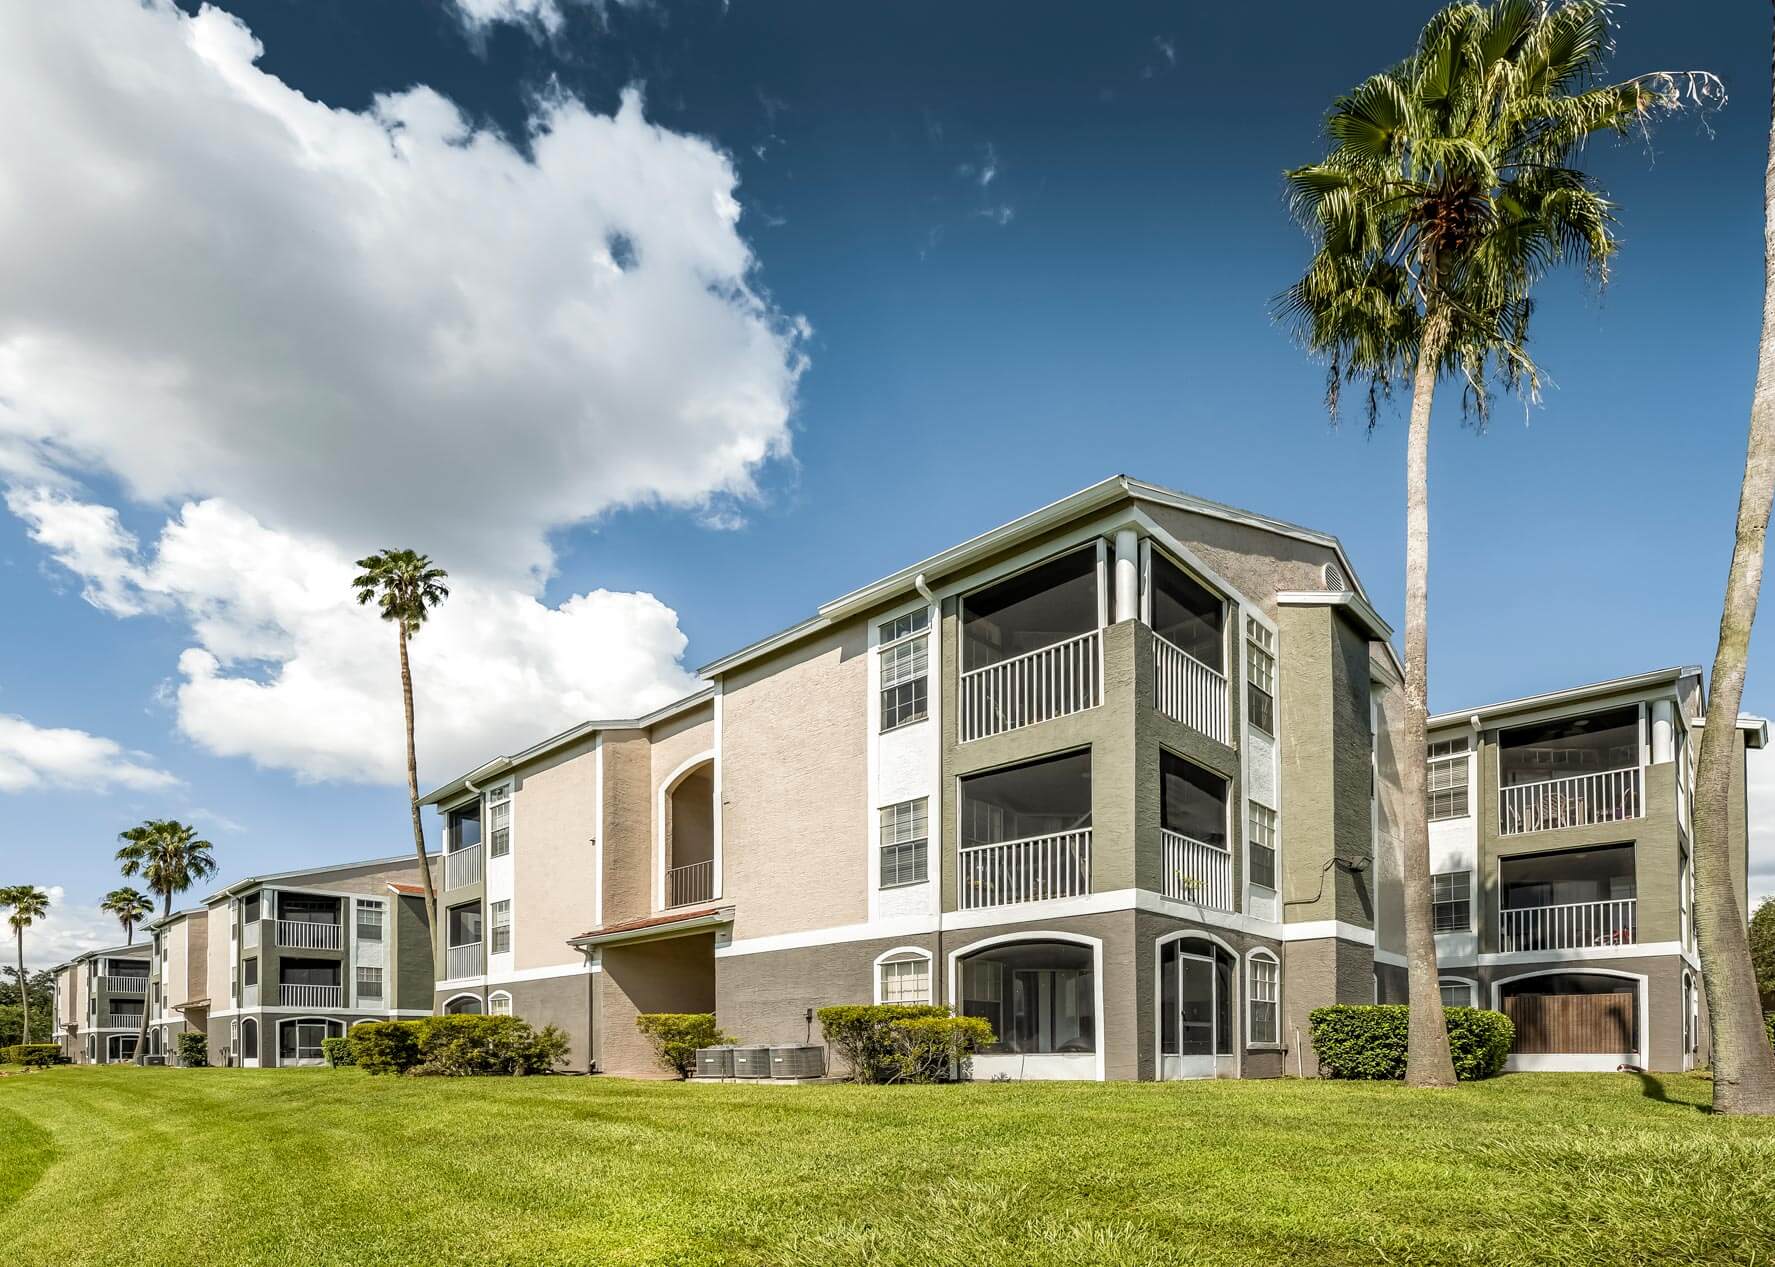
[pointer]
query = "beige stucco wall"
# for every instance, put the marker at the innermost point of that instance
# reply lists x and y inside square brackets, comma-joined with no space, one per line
[554,857]
[676,974]
[626,846]
[1258,563]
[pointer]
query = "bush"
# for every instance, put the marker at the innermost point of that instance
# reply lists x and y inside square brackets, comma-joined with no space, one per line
[1367,1041]
[193,1049]
[676,1036]
[460,1046]
[337,1051]
[934,1048]
[1769,1024]
[385,1046]
[862,1034]
[32,1055]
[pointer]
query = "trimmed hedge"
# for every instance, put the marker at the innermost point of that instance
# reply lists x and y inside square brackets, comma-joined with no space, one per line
[903,1042]
[1368,1041]
[193,1049]
[338,1051]
[677,1035]
[456,1046]
[32,1055]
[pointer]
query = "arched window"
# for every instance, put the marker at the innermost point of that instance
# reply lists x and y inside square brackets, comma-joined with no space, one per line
[1039,996]
[1196,979]
[1263,996]
[463,1005]
[499,1003]
[903,975]
[249,1040]
[1456,991]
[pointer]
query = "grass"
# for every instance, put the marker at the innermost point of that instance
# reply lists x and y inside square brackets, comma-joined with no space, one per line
[310,1167]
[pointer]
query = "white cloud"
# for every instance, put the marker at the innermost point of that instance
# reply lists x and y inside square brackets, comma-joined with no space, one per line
[66,931]
[479,14]
[381,327]
[37,757]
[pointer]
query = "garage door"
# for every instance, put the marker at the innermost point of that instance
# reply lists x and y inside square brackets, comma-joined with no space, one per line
[1572,1023]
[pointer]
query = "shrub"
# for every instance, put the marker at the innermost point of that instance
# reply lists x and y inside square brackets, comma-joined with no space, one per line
[32,1055]
[860,1032]
[193,1049]
[677,1035]
[337,1051]
[385,1046]
[1769,1024]
[1368,1041]
[933,1048]
[460,1046]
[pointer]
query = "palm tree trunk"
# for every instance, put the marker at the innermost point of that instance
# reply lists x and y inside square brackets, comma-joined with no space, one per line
[166,903]
[1427,1059]
[1743,1064]
[431,899]
[24,993]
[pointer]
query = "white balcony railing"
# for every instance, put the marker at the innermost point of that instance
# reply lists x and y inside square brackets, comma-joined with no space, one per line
[1188,690]
[1569,926]
[694,882]
[311,995]
[462,867]
[1578,801]
[1035,869]
[124,985]
[1038,686]
[1196,871]
[123,1020]
[303,934]
[463,961]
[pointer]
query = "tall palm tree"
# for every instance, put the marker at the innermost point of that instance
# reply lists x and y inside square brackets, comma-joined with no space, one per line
[170,858]
[1447,192]
[1743,1065]
[130,906]
[28,904]
[406,587]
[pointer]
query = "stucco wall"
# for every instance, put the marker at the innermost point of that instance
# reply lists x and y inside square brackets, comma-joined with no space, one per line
[554,857]
[675,974]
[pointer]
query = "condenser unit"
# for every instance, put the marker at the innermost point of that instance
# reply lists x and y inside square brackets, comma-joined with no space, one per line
[714,1062]
[800,1061]
[751,1062]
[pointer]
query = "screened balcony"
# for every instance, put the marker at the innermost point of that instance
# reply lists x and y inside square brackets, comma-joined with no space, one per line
[1026,833]
[1189,650]
[1031,647]
[309,983]
[306,922]
[1193,847]
[1574,772]
[462,931]
[463,862]
[1574,899]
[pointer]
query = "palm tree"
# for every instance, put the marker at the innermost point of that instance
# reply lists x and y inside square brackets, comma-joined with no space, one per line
[170,858]
[28,904]
[130,906]
[1743,1065]
[1448,191]
[405,586]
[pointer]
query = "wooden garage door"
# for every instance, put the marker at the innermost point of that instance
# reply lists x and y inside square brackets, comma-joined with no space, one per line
[1572,1023]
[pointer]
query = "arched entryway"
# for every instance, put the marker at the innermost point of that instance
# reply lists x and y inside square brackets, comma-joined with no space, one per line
[687,863]
[299,1040]
[1198,978]
[1042,994]
[1589,1020]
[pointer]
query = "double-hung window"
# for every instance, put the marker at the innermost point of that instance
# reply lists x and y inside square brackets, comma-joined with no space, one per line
[499,821]
[906,979]
[905,669]
[1446,780]
[369,922]
[501,929]
[369,982]
[1451,901]
[1263,845]
[905,843]
[1260,676]
[1266,993]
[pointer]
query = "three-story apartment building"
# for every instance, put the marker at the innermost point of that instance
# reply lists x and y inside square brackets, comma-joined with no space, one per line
[99,1000]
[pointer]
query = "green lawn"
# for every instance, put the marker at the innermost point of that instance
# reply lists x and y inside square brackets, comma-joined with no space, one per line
[148,1166]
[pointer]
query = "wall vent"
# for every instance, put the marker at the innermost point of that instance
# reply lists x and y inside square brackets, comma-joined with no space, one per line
[1335,581]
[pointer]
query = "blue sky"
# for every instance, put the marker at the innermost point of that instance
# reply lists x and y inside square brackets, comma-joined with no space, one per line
[991,253]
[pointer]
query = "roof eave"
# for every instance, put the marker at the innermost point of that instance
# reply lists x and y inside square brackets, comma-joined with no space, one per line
[1568,695]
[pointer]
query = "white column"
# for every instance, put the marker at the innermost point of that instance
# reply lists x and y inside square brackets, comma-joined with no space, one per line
[1663,731]
[1127,575]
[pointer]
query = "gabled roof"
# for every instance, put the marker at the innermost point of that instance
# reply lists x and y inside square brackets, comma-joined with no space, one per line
[254,881]
[1568,695]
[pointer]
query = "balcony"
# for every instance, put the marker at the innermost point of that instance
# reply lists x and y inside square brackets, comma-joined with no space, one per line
[690,884]
[1195,871]
[463,961]
[1031,649]
[1582,800]
[463,867]
[1188,691]
[301,934]
[1035,869]
[124,985]
[1039,686]
[122,1020]
[310,995]
[1189,650]
[1569,926]
[1574,772]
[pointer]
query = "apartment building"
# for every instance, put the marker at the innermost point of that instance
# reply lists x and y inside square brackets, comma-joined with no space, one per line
[1112,776]
[1563,881]
[179,985]
[98,1000]
[296,957]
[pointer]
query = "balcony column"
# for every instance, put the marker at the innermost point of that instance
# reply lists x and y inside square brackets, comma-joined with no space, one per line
[1127,588]
[1663,731]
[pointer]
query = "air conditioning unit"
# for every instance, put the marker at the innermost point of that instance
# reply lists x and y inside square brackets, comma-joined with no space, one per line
[714,1062]
[751,1062]
[799,1061]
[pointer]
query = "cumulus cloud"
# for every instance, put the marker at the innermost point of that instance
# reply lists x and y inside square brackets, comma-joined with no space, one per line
[67,931]
[37,757]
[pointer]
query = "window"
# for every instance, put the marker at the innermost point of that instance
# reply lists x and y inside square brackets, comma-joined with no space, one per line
[906,978]
[465,924]
[1266,992]
[1260,676]
[501,922]
[1456,993]
[369,922]
[499,821]
[250,971]
[249,910]
[369,983]
[464,830]
[499,1004]
[1038,996]
[905,669]
[1263,846]
[1451,900]
[1446,779]
[904,843]
[1192,801]
[463,1005]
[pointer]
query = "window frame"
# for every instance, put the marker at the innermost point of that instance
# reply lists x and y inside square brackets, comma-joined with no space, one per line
[900,956]
[370,906]
[909,691]
[496,999]
[1261,835]
[1434,762]
[1471,987]
[1263,955]
[1260,646]
[495,927]
[1465,900]
[498,799]
[357,981]
[916,842]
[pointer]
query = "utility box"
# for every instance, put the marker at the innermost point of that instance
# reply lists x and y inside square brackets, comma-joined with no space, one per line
[751,1062]
[714,1062]
[803,1060]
